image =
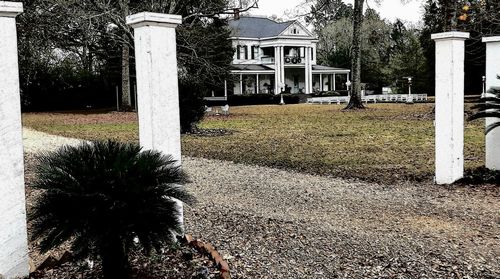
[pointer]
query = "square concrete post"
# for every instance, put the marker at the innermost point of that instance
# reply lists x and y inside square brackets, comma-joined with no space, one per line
[492,80]
[157,81]
[13,234]
[449,122]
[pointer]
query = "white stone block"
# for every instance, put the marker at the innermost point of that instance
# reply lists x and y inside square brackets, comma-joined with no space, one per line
[449,122]
[13,234]
[492,80]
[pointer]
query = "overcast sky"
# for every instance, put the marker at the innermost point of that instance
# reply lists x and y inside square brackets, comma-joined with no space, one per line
[390,9]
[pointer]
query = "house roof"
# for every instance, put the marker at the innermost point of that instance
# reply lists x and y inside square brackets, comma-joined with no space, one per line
[257,27]
[327,68]
[250,67]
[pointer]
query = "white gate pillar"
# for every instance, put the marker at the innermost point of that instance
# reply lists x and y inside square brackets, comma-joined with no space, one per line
[157,81]
[449,122]
[492,73]
[13,234]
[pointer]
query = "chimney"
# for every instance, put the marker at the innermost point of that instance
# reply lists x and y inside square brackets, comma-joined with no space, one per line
[236,13]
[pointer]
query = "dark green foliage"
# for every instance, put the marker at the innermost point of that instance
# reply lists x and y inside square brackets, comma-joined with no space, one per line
[65,61]
[70,57]
[262,99]
[253,99]
[102,195]
[192,106]
[482,20]
[325,11]
[287,98]
[480,176]
[330,93]
[204,54]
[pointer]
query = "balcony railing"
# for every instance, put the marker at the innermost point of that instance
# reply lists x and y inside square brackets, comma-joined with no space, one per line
[288,60]
[267,60]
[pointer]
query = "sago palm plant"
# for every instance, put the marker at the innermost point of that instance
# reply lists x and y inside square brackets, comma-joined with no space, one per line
[488,106]
[103,197]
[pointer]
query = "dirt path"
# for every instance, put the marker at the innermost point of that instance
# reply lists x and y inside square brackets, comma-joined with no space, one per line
[272,223]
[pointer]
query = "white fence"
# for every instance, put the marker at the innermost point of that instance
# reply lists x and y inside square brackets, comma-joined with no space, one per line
[386,98]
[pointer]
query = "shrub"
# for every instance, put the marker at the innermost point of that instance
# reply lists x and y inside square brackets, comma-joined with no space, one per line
[287,98]
[262,99]
[103,195]
[253,99]
[330,93]
[480,176]
[191,105]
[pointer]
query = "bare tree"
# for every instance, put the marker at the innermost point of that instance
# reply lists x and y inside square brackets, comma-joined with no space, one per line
[357,21]
[355,101]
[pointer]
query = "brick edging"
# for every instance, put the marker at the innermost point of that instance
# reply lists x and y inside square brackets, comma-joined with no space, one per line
[208,249]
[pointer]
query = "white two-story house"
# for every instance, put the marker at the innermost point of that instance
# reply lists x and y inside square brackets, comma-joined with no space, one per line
[274,57]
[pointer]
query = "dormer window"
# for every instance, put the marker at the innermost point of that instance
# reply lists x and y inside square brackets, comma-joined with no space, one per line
[255,52]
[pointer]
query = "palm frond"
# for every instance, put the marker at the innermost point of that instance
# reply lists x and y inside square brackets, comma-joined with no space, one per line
[488,107]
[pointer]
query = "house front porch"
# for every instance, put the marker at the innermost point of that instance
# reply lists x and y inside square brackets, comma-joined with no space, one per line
[261,79]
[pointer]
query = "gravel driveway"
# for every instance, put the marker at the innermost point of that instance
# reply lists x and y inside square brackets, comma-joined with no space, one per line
[271,223]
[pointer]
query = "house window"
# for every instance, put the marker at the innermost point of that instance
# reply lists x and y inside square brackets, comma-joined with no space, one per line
[255,52]
[245,51]
[241,52]
[312,53]
[295,31]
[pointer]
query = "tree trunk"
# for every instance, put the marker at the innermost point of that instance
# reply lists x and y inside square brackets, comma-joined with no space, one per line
[126,103]
[355,101]
[114,259]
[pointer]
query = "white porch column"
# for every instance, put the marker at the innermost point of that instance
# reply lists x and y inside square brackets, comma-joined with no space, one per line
[307,62]
[333,81]
[449,123]
[309,71]
[492,71]
[311,78]
[13,233]
[277,70]
[282,69]
[258,84]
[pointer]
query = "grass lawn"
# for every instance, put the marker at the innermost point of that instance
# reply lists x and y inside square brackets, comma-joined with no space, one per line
[386,142]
